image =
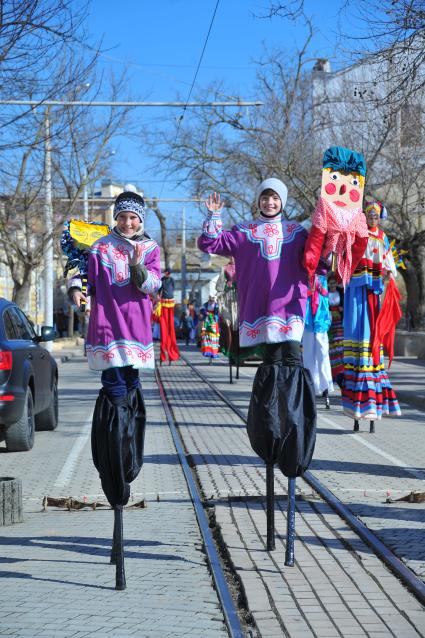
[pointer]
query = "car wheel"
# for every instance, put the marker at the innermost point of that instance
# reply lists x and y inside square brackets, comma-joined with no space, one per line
[48,419]
[20,436]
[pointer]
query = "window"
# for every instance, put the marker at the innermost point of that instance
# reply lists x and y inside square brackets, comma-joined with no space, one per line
[8,326]
[23,328]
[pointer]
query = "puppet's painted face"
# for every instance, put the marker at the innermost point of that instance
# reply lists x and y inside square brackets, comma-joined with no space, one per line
[342,189]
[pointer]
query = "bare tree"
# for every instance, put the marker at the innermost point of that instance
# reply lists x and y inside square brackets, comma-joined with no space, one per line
[231,151]
[165,244]
[43,52]
[390,33]
[400,184]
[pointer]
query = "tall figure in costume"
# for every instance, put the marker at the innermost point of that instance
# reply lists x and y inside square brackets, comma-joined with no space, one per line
[339,231]
[210,333]
[366,389]
[168,343]
[315,338]
[272,296]
[123,271]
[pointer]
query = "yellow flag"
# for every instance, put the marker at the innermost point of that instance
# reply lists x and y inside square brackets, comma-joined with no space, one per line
[85,234]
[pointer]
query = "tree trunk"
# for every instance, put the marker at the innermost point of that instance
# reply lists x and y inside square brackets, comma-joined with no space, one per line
[164,239]
[11,509]
[414,278]
[21,293]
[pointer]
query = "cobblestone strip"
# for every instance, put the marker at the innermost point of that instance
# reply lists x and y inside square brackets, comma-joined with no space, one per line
[337,587]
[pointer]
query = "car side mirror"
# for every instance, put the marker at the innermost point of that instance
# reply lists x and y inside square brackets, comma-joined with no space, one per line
[48,333]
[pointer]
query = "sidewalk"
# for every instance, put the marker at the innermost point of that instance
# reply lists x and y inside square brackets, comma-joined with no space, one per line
[56,580]
[407,375]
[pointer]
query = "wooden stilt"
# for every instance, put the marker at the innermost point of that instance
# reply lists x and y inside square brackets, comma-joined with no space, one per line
[290,525]
[270,507]
[119,549]
[113,560]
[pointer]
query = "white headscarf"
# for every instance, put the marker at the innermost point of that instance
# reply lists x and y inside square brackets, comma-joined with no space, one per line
[277,186]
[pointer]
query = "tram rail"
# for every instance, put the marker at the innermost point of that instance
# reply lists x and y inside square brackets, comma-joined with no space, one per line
[228,606]
[384,553]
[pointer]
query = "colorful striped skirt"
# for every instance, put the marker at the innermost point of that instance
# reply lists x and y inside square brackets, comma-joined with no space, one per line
[336,343]
[210,337]
[366,389]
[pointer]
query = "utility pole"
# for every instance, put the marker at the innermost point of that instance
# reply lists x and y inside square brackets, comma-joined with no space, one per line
[48,224]
[85,199]
[47,276]
[183,260]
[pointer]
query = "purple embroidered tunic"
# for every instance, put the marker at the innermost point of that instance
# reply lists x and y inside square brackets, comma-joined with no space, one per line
[119,332]
[271,281]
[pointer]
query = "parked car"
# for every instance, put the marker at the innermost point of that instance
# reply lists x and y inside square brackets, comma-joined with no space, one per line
[28,379]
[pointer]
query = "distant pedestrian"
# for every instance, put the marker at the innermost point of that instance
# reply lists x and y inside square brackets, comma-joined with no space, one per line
[186,325]
[61,320]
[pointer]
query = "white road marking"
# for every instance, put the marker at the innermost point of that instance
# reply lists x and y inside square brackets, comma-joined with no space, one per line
[65,474]
[395,461]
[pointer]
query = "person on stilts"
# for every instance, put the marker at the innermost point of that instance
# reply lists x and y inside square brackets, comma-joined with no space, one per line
[367,393]
[168,342]
[272,296]
[123,271]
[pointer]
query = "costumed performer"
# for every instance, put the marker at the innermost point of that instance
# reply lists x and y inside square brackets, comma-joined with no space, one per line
[168,342]
[210,332]
[366,389]
[123,271]
[272,296]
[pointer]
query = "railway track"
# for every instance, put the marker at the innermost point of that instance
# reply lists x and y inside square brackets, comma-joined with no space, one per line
[308,482]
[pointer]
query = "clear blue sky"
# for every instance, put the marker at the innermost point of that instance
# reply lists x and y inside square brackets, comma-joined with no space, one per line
[161,42]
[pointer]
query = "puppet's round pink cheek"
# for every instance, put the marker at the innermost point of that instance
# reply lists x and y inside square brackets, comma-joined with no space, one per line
[354,195]
[330,188]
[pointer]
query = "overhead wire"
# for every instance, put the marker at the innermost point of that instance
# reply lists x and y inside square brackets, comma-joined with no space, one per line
[191,88]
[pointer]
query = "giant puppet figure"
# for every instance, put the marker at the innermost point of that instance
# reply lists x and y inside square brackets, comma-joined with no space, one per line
[339,232]
[272,297]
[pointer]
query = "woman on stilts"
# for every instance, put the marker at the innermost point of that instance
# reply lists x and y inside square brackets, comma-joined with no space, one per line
[272,296]
[366,390]
[123,270]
